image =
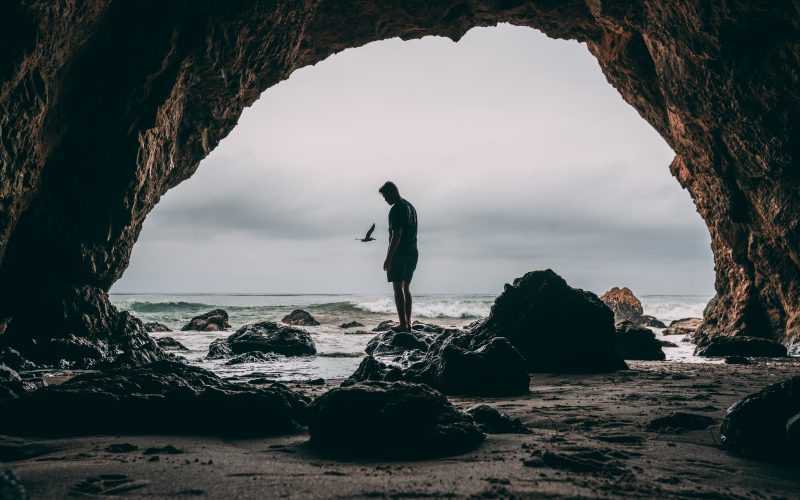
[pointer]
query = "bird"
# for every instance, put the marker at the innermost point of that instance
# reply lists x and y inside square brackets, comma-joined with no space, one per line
[368,237]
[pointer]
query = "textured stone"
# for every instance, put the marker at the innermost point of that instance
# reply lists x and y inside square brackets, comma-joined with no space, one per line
[266,337]
[636,342]
[168,343]
[390,420]
[211,321]
[685,326]
[155,326]
[741,346]
[163,397]
[623,303]
[300,317]
[101,118]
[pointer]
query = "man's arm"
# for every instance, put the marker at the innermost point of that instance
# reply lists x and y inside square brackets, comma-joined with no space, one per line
[394,242]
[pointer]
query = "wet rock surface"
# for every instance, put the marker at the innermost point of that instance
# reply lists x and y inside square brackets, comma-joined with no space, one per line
[250,357]
[163,397]
[154,326]
[764,424]
[650,321]
[170,344]
[685,326]
[741,346]
[636,342]
[265,337]
[555,327]
[300,317]
[412,420]
[351,324]
[212,321]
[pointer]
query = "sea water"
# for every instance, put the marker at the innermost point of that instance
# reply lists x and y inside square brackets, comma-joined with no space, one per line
[340,353]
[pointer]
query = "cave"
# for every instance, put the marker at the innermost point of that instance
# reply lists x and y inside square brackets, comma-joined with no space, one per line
[101,118]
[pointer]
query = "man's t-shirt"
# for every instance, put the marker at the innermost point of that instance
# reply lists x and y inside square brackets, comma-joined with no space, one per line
[403,216]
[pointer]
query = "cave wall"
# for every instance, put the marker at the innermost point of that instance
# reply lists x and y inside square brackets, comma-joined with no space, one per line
[106,105]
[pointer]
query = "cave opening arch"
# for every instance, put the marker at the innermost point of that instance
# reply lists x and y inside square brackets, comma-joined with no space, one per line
[133,95]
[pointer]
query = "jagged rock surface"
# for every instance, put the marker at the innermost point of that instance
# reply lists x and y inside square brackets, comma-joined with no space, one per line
[163,397]
[623,303]
[265,337]
[100,118]
[155,326]
[212,321]
[390,420]
[299,317]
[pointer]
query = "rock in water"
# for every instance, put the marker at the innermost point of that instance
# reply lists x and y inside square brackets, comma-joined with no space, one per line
[267,337]
[211,321]
[250,357]
[170,344]
[685,326]
[391,420]
[492,421]
[391,342]
[650,321]
[351,324]
[764,424]
[557,328]
[741,346]
[636,342]
[163,398]
[10,486]
[219,349]
[385,325]
[154,326]
[300,317]
[623,303]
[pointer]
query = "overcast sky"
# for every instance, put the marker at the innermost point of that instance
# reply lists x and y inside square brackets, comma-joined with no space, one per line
[514,149]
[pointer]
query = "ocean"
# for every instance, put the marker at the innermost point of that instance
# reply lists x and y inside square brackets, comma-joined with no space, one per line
[338,353]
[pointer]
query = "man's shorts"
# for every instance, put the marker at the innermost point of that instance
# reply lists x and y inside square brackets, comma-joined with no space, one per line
[403,266]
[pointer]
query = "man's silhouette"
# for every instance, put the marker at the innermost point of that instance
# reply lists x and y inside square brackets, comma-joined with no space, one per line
[401,259]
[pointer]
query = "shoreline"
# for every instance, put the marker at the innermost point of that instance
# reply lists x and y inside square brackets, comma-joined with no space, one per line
[603,417]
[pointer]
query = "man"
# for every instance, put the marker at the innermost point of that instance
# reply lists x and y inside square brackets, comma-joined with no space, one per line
[401,259]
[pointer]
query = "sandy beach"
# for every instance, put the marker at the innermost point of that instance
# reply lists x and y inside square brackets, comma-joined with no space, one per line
[589,438]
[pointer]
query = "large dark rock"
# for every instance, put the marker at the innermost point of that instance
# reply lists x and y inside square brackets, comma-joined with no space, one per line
[390,342]
[154,326]
[269,337]
[557,328]
[636,342]
[300,317]
[164,398]
[212,321]
[492,421]
[390,420]
[623,303]
[250,357]
[741,346]
[386,325]
[763,424]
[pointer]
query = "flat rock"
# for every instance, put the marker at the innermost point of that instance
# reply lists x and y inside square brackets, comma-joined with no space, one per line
[557,328]
[299,317]
[741,346]
[161,398]
[268,337]
[638,343]
[764,424]
[212,321]
[351,324]
[685,326]
[390,420]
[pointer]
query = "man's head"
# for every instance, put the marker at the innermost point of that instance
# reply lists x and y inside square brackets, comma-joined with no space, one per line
[390,192]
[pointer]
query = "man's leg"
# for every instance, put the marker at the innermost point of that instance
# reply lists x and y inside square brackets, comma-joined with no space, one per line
[407,295]
[400,303]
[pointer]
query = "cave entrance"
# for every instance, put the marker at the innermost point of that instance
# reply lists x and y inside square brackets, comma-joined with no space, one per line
[516,152]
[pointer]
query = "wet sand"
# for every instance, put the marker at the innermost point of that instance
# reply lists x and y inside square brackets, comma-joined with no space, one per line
[588,438]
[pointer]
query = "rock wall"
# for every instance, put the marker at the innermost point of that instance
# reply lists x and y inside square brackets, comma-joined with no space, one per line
[107,105]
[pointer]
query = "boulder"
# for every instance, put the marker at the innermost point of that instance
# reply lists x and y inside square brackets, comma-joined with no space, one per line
[14,360]
[685,326]
[650,321]
[638,343]
[557,328]
[250,357]
[160,398]
[492,421]
[267,337]
[390,342]
[623,303]
[351,324]
[300,317]
[154,326]
[741,346]
[211,321]
[170,344]
[667,343]
[390,420]
[764,424]
[219,349]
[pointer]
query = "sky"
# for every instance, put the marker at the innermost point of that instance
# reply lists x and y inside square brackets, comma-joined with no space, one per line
[515,151]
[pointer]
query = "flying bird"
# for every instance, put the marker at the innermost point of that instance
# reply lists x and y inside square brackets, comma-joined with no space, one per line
[368,237]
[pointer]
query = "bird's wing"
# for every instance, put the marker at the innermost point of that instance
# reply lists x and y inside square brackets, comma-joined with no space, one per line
[369,233]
